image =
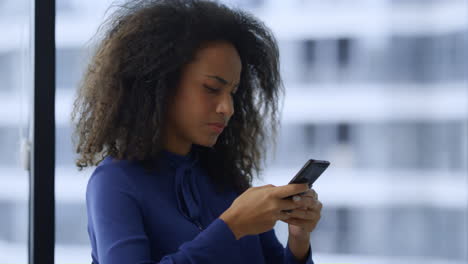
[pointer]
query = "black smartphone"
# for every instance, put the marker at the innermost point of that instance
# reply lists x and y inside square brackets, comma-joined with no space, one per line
[309,173]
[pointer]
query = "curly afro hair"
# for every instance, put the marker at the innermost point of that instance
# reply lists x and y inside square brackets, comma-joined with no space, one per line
[121,102]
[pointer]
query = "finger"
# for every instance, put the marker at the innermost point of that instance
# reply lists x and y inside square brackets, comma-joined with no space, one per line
[315,206]
[312,204]
[304,224]
[290,189]
[287,204]
[316,216]
[311,193]
[266,186]
[305,202]
[319,205]
[315,194]
[281,215]
[304,214]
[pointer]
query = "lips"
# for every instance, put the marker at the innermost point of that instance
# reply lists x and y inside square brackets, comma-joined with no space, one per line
[219,125]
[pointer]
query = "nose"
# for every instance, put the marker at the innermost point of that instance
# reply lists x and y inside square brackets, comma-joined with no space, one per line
[225,106]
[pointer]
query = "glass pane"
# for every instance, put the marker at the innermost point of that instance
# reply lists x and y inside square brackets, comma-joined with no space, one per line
[72,42]
[16,86]
[379,89]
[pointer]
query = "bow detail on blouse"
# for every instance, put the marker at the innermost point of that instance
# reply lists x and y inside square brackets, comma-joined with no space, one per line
[186,189]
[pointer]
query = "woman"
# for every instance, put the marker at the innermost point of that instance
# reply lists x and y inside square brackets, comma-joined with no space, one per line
[173,111]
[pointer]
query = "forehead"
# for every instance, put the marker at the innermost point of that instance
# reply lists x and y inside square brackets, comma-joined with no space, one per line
[217,58]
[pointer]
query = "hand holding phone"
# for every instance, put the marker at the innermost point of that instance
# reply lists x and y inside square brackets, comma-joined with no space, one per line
[309,173]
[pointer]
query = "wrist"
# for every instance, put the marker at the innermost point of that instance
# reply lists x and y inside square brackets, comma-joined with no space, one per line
[302,238]
[231,222]
[298,234]
[299,247]
[299,241]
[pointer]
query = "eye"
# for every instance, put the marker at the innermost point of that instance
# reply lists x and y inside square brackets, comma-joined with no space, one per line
[212,90]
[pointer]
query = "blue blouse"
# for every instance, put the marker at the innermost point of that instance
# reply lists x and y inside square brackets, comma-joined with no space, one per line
[169,216]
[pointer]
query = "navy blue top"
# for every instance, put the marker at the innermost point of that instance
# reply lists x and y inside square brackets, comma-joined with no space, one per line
[169,216]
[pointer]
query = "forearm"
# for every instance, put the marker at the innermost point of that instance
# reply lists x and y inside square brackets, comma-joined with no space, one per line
[299,247]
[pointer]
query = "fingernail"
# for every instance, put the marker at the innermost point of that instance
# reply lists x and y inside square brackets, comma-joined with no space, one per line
[296,198]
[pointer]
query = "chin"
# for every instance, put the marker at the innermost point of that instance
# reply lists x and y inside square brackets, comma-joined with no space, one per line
[207,142]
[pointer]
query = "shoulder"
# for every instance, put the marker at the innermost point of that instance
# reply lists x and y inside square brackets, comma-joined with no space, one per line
[112,175]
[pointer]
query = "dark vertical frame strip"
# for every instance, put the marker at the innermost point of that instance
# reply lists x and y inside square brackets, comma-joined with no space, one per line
[42,177]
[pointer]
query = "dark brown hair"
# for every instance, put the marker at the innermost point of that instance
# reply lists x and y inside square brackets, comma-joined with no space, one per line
[122,99]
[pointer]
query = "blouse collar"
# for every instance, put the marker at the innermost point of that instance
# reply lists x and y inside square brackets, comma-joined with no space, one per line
[177,160]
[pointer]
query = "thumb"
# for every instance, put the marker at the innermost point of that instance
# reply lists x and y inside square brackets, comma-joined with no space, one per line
[283,215]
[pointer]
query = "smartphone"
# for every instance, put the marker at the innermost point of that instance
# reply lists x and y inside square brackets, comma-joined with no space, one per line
[309,173]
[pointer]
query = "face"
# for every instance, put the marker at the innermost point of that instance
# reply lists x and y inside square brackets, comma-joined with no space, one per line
[204,96]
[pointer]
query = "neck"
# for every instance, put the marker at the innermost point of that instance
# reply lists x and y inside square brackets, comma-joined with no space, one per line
[175,144]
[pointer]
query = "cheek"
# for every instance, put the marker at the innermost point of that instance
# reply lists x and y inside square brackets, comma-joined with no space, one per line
[200,102]
[192,110]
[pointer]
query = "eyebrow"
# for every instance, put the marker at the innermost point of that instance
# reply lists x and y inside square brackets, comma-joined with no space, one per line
[219,79]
